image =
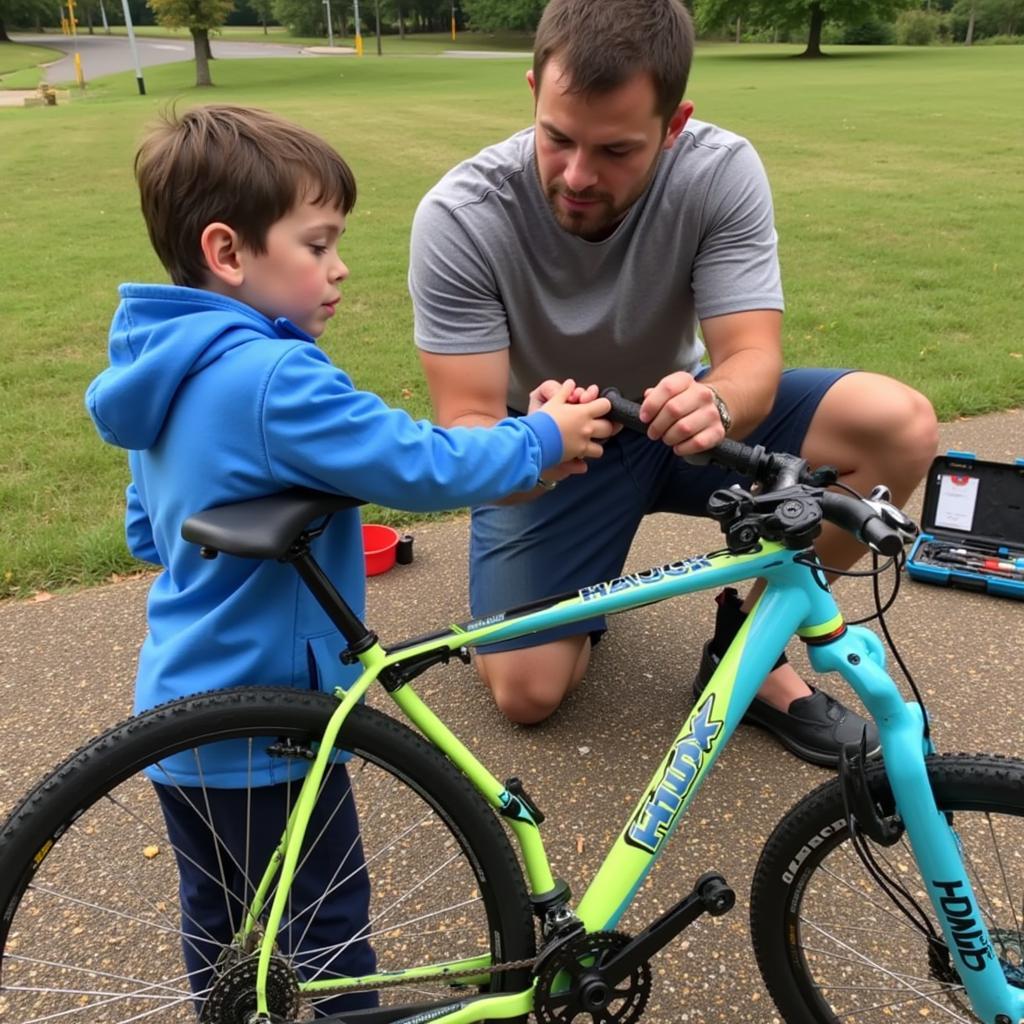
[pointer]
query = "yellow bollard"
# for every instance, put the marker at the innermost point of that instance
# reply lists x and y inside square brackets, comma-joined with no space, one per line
[359,45]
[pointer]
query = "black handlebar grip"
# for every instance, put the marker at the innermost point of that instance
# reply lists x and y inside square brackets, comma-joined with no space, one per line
[732,455]
[860,519]
[881,537]
[624,410]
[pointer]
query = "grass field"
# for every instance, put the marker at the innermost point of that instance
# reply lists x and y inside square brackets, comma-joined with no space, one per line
[20,64]
[899,199]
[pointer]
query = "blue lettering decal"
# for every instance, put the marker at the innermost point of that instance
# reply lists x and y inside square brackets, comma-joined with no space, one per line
[655,818]
[640,579]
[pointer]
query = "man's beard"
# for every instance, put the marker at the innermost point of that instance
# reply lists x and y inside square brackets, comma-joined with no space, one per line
[598,222]
[592,225]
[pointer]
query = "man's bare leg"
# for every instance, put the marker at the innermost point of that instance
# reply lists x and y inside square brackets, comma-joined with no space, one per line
[529,684]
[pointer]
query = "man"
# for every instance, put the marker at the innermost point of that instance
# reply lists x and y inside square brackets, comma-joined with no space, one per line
[590,246]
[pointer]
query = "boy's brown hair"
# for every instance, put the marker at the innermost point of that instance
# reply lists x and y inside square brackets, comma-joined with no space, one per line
[601,44]
[244,167]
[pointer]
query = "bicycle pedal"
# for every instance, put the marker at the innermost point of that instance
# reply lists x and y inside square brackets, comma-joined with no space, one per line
[715,894]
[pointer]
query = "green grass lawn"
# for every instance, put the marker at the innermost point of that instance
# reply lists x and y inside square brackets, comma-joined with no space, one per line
[19,64]
[898,194]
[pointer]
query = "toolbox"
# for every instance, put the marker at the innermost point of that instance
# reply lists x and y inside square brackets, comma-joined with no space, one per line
[972,526]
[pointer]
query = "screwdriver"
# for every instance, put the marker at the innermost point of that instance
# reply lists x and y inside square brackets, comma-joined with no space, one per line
[962,554]
[992,565]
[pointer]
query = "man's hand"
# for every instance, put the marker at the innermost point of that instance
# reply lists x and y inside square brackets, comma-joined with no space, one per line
[681,411]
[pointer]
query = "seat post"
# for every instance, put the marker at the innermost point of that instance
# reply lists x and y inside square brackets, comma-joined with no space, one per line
[359,637]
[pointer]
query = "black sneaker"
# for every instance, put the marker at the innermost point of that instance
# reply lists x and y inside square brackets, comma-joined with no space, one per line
[815,728]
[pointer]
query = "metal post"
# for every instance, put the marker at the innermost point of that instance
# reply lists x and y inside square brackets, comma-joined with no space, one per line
[79,73]
[330,27]
[103,15]
[139,80]
[359,35]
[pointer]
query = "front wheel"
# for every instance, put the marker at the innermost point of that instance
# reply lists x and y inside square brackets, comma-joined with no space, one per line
[126,876]
[830,943]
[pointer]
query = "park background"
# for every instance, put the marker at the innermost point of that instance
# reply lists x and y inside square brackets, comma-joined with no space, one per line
[896,172]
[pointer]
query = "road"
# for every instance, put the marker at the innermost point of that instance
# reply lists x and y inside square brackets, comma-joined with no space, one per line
[107,55]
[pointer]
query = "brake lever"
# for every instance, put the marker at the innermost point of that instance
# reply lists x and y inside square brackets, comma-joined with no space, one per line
[894,517]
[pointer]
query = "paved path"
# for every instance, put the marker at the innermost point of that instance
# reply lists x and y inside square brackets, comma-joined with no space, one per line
[107,55]
[66,668]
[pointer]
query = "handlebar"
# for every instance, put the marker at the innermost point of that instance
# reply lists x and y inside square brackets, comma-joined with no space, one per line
[778,471]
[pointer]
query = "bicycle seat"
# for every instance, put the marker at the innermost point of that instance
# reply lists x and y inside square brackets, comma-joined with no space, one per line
[262,527]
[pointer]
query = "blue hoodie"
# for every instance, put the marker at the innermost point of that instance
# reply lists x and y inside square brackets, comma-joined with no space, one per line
[218,404]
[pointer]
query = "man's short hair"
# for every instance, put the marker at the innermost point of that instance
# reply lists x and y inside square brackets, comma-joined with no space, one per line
[601,44]
[244,167]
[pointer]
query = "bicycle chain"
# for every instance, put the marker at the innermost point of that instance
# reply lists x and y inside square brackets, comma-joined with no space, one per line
[468,972]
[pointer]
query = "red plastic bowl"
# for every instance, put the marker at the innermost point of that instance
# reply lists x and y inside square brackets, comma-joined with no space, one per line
[379,543]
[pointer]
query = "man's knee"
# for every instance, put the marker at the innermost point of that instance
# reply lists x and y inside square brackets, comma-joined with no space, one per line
[878,423]
[908,428]
[528,685]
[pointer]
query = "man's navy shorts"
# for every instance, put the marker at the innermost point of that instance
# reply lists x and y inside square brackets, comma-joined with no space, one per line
[580,532]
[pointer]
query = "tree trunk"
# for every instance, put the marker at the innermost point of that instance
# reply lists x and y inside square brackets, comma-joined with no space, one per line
[88,20]
[401,22]
[201,42]
[4,37]
[376,9]
[970,28]
[738,29]
[814,36]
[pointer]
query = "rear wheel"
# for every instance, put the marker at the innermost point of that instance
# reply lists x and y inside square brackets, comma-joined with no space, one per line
[830,943]
[91,921]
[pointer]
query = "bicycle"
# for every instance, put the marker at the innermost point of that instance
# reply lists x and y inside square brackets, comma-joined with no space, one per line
[458,943]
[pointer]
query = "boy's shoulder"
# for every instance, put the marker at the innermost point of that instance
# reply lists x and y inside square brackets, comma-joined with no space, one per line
[163,336]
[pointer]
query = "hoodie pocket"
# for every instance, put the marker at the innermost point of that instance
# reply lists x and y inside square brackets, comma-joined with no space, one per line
[323,663]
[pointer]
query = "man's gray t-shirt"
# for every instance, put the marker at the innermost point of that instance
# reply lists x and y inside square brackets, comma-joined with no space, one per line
[491,268]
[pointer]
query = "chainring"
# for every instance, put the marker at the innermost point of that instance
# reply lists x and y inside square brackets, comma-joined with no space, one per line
[232,1000]
[557,996]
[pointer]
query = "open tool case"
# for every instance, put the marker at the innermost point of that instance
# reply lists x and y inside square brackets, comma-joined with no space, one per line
[972,526]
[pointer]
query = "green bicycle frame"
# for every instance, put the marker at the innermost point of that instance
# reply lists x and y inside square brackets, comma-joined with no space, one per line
[796,600]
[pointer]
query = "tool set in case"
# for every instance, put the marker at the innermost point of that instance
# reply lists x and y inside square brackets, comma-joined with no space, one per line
[972,526]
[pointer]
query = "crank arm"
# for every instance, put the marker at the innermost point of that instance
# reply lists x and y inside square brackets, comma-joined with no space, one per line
[711,895]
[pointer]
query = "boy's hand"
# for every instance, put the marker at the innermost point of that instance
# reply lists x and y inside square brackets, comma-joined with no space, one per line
[579,415]
[549,388]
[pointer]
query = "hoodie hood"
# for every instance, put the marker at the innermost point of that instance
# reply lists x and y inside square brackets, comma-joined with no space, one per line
[160,336]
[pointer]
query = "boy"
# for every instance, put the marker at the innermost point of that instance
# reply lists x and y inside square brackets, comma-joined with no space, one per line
[219,393]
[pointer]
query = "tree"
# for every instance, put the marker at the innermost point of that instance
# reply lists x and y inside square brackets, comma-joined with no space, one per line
[492,15]
[792,14]
[24,13]
[198,16]
[303,17]
[263,9]
[976,19]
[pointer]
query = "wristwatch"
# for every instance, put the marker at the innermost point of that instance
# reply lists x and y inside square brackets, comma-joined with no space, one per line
[723,409]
